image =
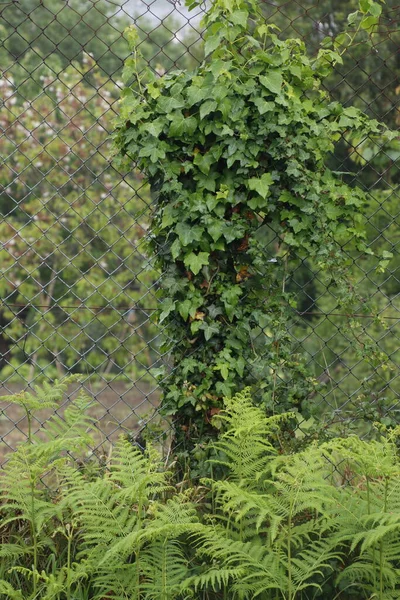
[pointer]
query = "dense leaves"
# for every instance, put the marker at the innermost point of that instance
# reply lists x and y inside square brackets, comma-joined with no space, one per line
[320,523]
[235,153]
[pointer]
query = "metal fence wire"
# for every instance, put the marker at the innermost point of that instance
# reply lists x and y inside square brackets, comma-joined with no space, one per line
[77,288]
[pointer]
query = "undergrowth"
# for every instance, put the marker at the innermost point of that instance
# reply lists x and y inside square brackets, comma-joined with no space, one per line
[322,522]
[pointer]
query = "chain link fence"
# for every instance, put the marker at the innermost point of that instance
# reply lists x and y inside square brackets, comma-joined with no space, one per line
[77,288]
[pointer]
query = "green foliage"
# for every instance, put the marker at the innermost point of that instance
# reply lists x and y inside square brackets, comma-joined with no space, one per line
[64,247]
[235,153]
[73,532]
[70,223]
[319,523]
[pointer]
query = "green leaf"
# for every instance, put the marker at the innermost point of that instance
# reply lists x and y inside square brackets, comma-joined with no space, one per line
[365,5]
[263,106]
[167,306]
[204,161]
[223,368]
[215,230]
[176,249]
[240,365]
[261,185]
[184,308]
[207,107]
[273,81]
[230,298]
[181,125]
[239,17]
[369,22]
[375,9]
[212,43]
[155,128]
[209,329]
[167,104]
[167,218]
[333,211]
[194,262]
[189,233]
[195,94]
[351,19]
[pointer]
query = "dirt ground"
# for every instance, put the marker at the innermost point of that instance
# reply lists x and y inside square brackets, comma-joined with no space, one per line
[118,408]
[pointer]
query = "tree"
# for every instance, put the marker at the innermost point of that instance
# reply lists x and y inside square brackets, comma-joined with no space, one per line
[72,225]
[73,233]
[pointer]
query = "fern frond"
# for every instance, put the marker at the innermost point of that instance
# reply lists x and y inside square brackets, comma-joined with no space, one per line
[48,395]
[315,559]
[103,519]
[215,579]
[7,591]
[13,551]
[21,495]
[138,476]
[164,567]
[234,499]
[75,423]
[246,442]
[363,573]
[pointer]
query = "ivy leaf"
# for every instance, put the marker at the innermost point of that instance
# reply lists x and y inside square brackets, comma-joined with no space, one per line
[188,233]
[263,106]
[273,81]
[154,152]
[333,212]
[368,22]
[240,365]
[204,161]
[194,262]
[176,249]
[212,43]
[167,307]
[215,229]
[167,104]
[195,94]
[239,17]
[214,311]
[230,298]
[185,308]
[206,108]
[154,128]
[209,329]
[261,185]
[223,368]
[181,125]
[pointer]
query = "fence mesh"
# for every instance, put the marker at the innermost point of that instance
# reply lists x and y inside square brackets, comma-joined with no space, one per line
[77,288]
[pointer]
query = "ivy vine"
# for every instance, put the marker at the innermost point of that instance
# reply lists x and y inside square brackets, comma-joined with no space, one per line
[235,154]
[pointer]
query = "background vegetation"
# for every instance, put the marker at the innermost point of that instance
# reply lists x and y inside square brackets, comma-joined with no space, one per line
[74,228]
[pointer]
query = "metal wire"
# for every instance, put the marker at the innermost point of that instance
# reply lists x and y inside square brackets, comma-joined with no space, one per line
[77,288]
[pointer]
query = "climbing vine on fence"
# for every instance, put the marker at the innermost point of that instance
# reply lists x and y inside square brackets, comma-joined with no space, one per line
[235,154]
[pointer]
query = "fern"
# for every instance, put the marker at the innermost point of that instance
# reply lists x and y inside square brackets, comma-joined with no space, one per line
[274,515]
[279,527]
[9,592]
[129,537]
[24,499]
[246,443]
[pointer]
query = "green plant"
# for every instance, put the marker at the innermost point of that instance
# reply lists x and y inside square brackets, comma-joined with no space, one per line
[29,512]
[71,531]
[316,524]
[235,153]
[320,523]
